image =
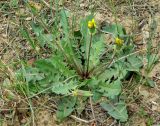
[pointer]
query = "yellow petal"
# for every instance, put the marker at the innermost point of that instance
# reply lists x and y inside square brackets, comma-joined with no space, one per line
[93,21]
[119,41]
[75,93]
[90,24]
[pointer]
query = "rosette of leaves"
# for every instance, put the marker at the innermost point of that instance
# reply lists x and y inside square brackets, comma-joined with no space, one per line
[65,71]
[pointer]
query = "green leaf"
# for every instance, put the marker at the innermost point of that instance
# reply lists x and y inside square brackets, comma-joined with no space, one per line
[92,83]
[117,111]
[97,50]
[64,23]
[150,82]
[115,29]
[32,74]
[48,37]
[41,36]
[67,42]
[78,34]
[14,3]
[120,70]
[152,60]
[84,27]
[111,89]
[65,107]
[54,69]
[85,33]
[63,88]
[84,93]
[38,30]
[97,96]
[26,35]
[57,61]
[108,74]
[80,104]
[45,66]
[135,63]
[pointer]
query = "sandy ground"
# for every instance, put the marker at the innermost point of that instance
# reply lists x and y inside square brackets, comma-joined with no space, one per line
[136,18]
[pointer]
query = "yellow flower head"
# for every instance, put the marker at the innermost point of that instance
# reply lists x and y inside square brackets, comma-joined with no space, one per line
[91,24]
[75,92]
[119,41]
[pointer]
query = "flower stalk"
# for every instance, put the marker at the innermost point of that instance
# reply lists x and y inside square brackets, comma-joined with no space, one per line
[92,28]
[88,56]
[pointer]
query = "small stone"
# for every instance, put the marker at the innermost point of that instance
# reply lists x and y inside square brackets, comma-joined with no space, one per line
[28,18]
[23,121]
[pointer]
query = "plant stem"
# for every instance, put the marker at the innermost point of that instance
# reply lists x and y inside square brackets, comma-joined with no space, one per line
[90,42]
[106,66]
[114,61]
[68,59]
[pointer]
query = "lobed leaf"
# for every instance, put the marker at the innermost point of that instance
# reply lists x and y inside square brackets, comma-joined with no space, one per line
[65,107]
[63,88]
[117,111]
[26,35]
[111,89]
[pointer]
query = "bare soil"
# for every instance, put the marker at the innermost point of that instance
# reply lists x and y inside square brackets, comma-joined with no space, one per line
[136,17]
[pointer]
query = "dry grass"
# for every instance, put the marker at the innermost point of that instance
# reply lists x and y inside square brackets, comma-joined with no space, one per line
[143,102]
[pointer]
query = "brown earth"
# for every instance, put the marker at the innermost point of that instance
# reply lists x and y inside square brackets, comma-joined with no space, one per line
[135,17]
